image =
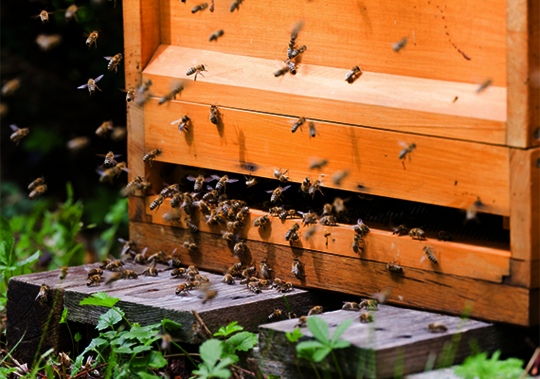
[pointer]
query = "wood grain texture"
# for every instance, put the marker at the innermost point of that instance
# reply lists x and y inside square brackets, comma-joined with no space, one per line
[461,259]
[394,332]
[385,101]
[345,34]
[449,173]
[415,288]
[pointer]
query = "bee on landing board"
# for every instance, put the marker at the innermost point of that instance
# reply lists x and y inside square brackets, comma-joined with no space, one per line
[92,86]
[360,228]
[281,176]
[437,327]
[357,242]
[400,230]
[275,315]
[301,121]
[302,322]
[261,222]
[215,115]
[417,233]
[397,46]
[350,306]
[114,62]
[197,70]
[317,310]
[297,269]
[43,293]
[352,75]
[394,267]
[292,235]
[182,123]
[109,159]
[18,134]
[104,128]
[428,250]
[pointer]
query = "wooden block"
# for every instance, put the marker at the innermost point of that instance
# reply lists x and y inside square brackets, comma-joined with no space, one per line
[415,105]
[346,34]
[395,333]
[415,288]
[453,173]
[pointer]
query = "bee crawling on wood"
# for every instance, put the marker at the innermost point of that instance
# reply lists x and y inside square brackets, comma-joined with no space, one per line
[360,228]
[291,213]
[95,280]
[308,218]
[114,62]
[191,246]
[276,315]
[110,159]
[228,279]
[352,75]
[417,233]
[292,234]
[428,250]
[215,115]
[365,318]
[236,269]
[18,134]
[301,121]
[297,269]
[316,186]
[282,71]
[286,287]
[317,310]
[43,293]
[369,304]
[95,271]
[178,272]
[151,271]
[253,287]
[198,8]
[302,322]
[397,46]
[182,289]
[197,70]
[183,123]
[437,327]
[357,242]
[91,39]
[400,230]
[115,265]
[149,157]
[328,221]
[394,267]
[277,194]
[91,84]
[350,306]
[240,248]
[214,36]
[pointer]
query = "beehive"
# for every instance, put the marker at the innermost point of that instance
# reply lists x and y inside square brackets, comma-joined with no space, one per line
[471,147]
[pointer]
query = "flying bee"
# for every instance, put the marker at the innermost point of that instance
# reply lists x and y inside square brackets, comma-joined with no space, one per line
[444,236]
[222,183]
[297,268]
[312,129]
[394,267]
[178,272]
[191,246]
[105,263]
[215,115]
[91,39]
[94,280]
[350,306]
[40,190]
[298,124]
[104,128]
[428,250]
[365,318]
[43,16]
[130,93]
[173,215]
[43,293]
[91,84]
[265,269]
[150,271]
[317,163]
[357,241]
[417,233]
[209,295]
[228,279]
[281,176]
[397,46]
[149,157]
[115,265]
[360,228]
[114,62]
[305,186]
[328,221]
[95,271]
[199,182]
[437,327]
[18,134]
[400,230]
[317,310]
[291,213]
[47,42]
[214,36]
[240,248]
[287,287]
[193,284]
[145,86]
[36,183]
[352,75]
[182,289]
[141,258]
[182,123]
[197,70]
[119,134]
[339,176]
[202,278]
[235,5]
[11,86]
[160,257]
[316,186]
[109,159]
[109,174]
[276,315]
[157,202]
[177,88]
[77,144]
[277,194]
[197,8]
[407,150]
[302,322]
[292,233]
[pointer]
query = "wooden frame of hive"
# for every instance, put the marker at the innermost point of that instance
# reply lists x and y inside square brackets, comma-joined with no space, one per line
[478,146]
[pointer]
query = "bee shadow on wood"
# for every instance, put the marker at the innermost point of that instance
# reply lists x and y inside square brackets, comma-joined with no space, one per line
[221,127]
[265,232]
[189,133]
[354,145]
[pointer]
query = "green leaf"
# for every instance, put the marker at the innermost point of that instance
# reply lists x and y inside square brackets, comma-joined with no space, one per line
[272,376]
[6,252]
[294,336]
[5,229]
[157,360]
[4,371]
[340,344]
[109,319]
[309,345]
[97,342]
[145,375]
[319,328]
[229,329]
[320,354]
[211,351]
[31,259]
[243,341]
[77,337]
[220,371]
[63,320]
[125,348]
[340,329]
[100,299]
[141,348]
[142,333]
[306,353]
[169,325]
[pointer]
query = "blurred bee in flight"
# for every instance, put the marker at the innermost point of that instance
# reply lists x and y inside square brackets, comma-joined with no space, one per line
[18,134]
[235,5]
[114,62]
[92,86]
[43,16]
[47,42]
[11,86]
[149,157]
[104,128]
[214,36]
[177,88]
[406,151]
[277,193]
[37,188]
[111,173]
[397,46]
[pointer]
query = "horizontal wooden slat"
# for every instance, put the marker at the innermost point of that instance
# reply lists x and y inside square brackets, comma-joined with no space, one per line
[468,260]
[402,103]
[448,173]
[348,33]
[415,288]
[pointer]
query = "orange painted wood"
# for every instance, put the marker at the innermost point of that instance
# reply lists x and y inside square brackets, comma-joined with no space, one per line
[385,101]
[348,33]
[444,172]
[415,288]
[461,259]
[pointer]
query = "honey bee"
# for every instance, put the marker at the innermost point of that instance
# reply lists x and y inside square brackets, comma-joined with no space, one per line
[253,287]
[43,16]
[276,315]
[105,263]
[297,269]
[138,183]
[182,123]
[444,236]
[397,46]
[191,226]
[111,173]
[150,271]
[43,293]
[193,284]
[191,246]
[141,258]
[302,322]
[316,186]
[305,186]
[328,221]
[18,134]
[251,181]
[130,94]
[417,233]
[287,287]
[221,184]
[357,241]
[365,318]
[296,52]
[36,183]
[317,163]
[281,71]
[235,5]
[182,289]
[240,248]
[298,124]
[157,202]
[178,272]
[352,75]
[292,234]
[114,62]
[339,176]
[160,256]
[394,267]
[115,265]
[407,149]
[249,272]
[95,271]
[400,230]
[350,306]
[437,327]
[312,129]
[212,6]
[77,144]
[275,211]
[242,213]
[203,206]
[196,70]
[94,280]
[173,215]
[91,84]
[197,8]
[11,86]
[310,232]
[149,157]
[290,213]
[484,85]
[214,36]
[209,295]
[63,272]
[291,65]
[277,284]
[360,228]
[40,190]
[261,222]
[104,128]
[179,87]
[281,176]
[174,262]
[428,250]
[91,39]
[369,304]
[317,310]
[228,279]
[109,159]
[235,269]
[234,225]
[277,194]
[265,269]
[47,42]
[129,274]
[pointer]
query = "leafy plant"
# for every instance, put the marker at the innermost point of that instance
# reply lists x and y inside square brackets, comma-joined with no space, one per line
[294,336]
[479,366]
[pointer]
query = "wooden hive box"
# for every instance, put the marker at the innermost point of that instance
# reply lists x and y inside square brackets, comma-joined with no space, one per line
[471,147]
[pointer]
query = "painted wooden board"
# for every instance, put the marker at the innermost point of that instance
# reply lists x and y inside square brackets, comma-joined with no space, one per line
[416,288]
[415,105]
[462,259]
[349,33]
[396,334]
[448,173]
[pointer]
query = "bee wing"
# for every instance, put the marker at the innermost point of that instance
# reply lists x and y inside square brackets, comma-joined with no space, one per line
[98,78]
[83,86]
[191,178]
[285,188]
[144,251]
[117,155]
[108,58]
[176,121]
[209,188]
[122,240]
[271,191]
[214,177]
[101,155]
[232,180]
[174,251]
[101,172]
[403,144]
[124,250]
[14,127]
[206,180]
